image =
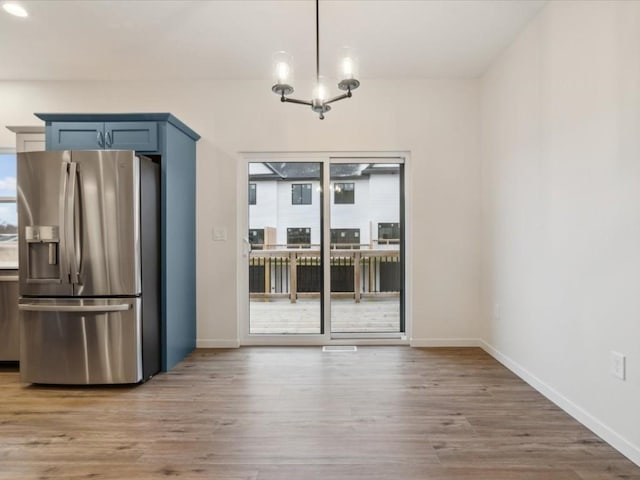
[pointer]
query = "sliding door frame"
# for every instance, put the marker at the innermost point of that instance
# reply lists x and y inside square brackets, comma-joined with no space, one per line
[326,337]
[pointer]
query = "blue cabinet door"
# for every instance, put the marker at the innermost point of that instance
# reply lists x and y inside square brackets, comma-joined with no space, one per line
[75,135]
[138,136]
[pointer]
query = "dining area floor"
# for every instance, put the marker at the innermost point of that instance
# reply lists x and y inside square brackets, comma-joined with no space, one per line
[280,413]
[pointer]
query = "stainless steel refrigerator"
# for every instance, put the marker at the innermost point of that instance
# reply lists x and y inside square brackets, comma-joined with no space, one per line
[88,267]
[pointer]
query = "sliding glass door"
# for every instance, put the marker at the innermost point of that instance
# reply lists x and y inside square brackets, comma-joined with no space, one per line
[285,236]
[325,252]
[366,262]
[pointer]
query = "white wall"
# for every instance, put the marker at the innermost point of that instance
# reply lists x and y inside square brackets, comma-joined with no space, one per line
[436,120]
[561,187]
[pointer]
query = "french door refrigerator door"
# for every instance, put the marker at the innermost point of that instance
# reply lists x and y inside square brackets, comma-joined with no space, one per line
[105,237]
[80,341]
[43,183]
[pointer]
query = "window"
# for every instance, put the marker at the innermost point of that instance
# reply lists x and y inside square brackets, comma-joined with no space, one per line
[344,193]
[298,237]
[252,194]
[388,233]
[8,212]
[256,238]
[301,194]
[345,238]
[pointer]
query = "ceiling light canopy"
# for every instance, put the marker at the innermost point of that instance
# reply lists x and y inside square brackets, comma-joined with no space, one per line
[283,77]
[15,9]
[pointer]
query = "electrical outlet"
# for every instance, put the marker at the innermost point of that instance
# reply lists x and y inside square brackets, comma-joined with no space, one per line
[618,365]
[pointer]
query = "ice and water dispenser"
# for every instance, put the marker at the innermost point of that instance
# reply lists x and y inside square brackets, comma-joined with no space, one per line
[42,253]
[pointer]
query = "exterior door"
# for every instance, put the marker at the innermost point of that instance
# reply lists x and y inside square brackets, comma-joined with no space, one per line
[322,261]
[366,268]
[285,238]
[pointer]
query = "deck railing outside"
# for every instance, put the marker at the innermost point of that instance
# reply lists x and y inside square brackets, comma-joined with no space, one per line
[356,272]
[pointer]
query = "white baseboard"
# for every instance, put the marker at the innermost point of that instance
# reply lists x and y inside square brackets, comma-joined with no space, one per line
[213,343]
[445,342]
[628,449]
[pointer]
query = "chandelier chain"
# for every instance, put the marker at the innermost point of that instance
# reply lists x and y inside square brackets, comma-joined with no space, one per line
[317,41]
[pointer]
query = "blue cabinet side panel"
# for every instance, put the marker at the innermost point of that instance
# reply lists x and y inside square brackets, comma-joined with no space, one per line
[74,135]
[179,246]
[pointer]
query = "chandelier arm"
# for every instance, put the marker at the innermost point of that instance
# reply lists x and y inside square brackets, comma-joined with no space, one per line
[339,97]
[294,100]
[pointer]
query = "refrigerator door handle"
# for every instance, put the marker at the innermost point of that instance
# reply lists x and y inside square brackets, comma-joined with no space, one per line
[35,307]
[72,233]
[65,270]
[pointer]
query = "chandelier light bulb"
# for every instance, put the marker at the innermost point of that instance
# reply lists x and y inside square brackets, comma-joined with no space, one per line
[347,68]
[282,72]
[320,92]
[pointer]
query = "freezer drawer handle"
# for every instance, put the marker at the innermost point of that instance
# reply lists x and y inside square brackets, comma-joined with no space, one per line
[31,307]
[9,278]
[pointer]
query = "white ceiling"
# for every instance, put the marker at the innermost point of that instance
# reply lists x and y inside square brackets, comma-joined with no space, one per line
[224,39]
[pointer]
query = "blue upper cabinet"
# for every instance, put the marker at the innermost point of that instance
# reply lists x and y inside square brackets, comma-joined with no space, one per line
[173,144]
[138,136]
[82,135]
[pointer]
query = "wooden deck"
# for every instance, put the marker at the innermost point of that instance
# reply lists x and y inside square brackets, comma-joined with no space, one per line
[372,315]
[300,414]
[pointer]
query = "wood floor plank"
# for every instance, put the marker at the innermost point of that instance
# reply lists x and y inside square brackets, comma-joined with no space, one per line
[297,413]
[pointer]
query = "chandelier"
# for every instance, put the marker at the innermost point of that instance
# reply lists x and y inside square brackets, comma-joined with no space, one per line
[283,77]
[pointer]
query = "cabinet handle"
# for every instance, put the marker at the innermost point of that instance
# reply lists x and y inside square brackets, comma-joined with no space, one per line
[100,139]
[109,139]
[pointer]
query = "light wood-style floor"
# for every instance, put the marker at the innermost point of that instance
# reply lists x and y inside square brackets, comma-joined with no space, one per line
[300,414]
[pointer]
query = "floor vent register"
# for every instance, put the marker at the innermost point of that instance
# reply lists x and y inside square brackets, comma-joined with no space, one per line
[339,348]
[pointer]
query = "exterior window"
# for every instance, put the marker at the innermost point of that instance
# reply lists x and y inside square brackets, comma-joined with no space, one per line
[298,237]
[388,233]
[252,194]
[301,194]
[345,238]
[8,212]
[344,193]
[256,238]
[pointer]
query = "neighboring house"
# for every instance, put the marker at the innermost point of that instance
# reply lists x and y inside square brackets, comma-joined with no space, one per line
[284,199]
